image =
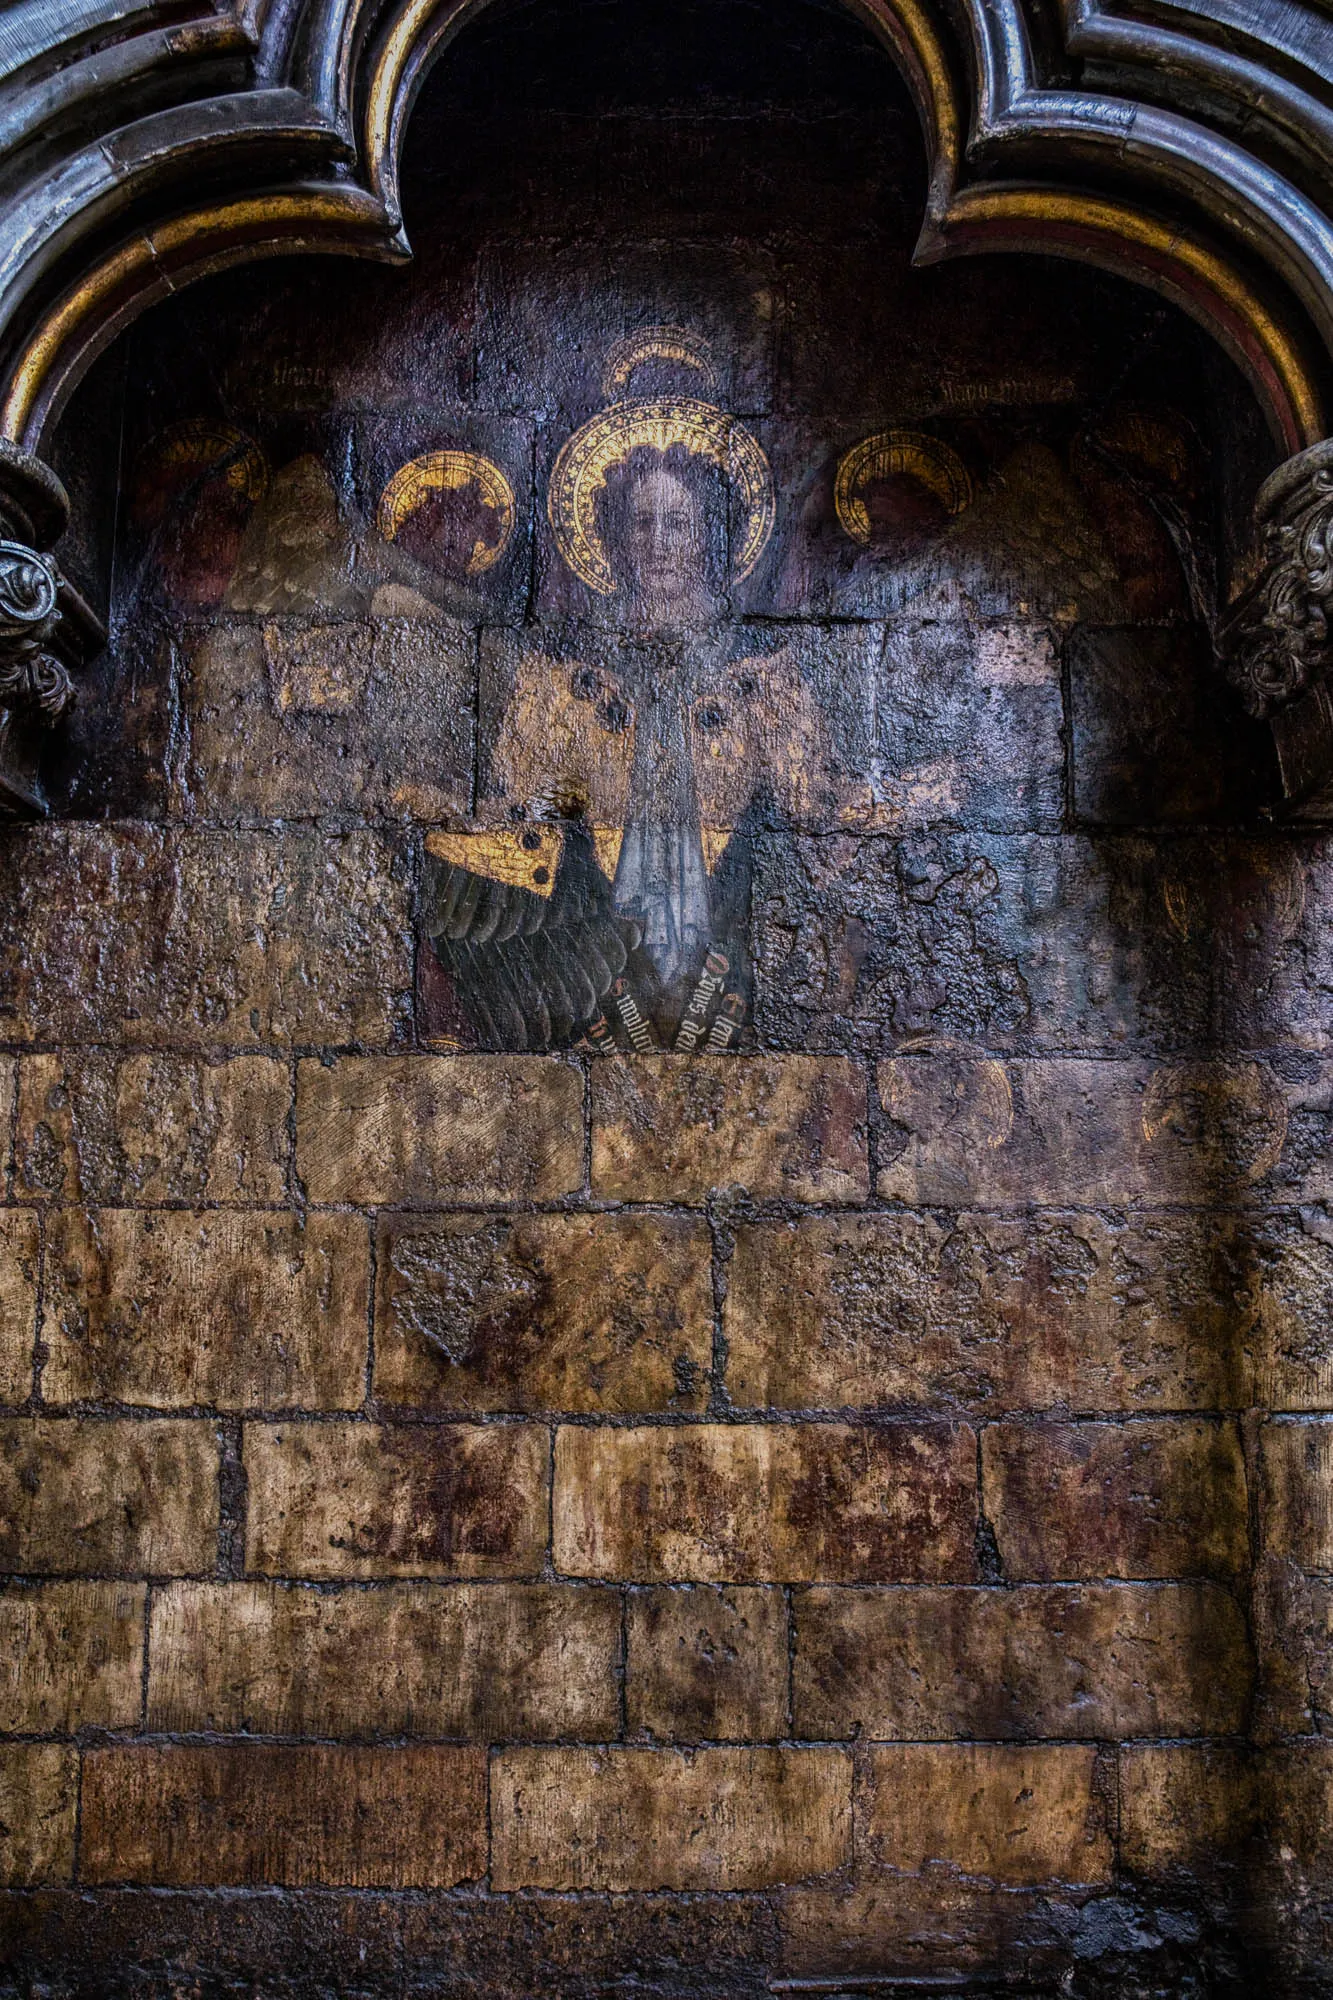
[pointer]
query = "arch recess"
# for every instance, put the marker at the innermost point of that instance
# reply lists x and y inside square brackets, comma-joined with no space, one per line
[1187,147]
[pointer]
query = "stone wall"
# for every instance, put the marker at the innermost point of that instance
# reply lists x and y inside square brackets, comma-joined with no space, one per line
[485,1520]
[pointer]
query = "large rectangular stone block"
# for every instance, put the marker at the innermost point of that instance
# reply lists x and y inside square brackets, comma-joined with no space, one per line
[474,1661]
[294,720]
[1015,1815]
[111,1130]
[544,1312]
[170,937]
[672,1128]
[965,1131]
[1296,1469]
[1105,1660]
[39,1793]
[165,1307]
[662,1819]
[364,1500]
[126,1497]
[1185,1808]
[248,1813]
[704,1662]
[71,1656]
[19,1256]
[1154,1497]
[1084,1311]
[436,1128]
[736,1503]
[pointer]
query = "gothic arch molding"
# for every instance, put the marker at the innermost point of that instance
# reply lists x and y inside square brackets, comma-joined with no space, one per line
[1200,164]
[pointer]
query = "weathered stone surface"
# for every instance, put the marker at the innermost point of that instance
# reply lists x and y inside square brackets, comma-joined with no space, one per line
[251,1813]
[963,1130]
[1296,1469]
[932,1927]
[132,1498]
[19,1255]
[39,1788]
[1076,1310]
[152,936]
[71,1656]
[356,1499]
[1104,1660]
[586,1945]
[115,1942]
[99,1128]
[426,1128]
[544,1312]
[672,1128]
[663,1819]
[736,1503]
[703,1663]
[479,1662]
[295,720]
[1292,1338]
[969,726]
[1149,1498]
[1185,1808]
[1016,1815]
[166,1307]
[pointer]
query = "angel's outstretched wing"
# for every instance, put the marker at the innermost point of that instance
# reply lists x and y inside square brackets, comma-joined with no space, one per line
[521,926]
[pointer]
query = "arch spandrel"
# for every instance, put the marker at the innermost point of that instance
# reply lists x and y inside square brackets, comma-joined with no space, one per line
[304,152]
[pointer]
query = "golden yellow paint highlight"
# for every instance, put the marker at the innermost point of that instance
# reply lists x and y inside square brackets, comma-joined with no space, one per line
[656,343]
[450,472]
[521,857]
[197,444]
[887,455]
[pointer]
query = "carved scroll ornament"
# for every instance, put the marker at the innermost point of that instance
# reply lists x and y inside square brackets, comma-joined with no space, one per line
[1278,640]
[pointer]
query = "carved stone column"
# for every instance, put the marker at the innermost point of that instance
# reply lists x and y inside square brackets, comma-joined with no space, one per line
[1277,642]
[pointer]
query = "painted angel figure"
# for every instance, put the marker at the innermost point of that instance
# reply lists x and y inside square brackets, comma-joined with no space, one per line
[607,904]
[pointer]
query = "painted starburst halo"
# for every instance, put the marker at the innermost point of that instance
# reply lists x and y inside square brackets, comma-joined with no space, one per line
[677,345]
[895,454]
[198,446]
[659,423]
[450,472]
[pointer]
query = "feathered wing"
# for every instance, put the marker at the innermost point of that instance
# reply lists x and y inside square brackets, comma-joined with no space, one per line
[528,971]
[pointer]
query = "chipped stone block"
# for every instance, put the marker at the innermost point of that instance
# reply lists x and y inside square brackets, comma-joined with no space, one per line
[167,1307]
[364,1500]
[618,1819]
[544,1312]
[738,1503]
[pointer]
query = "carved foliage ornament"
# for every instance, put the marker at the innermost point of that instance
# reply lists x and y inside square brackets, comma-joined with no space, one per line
[31,679]
[1279,638]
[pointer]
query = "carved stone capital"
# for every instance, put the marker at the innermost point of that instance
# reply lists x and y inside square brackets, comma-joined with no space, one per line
[44,625]
[1278,639]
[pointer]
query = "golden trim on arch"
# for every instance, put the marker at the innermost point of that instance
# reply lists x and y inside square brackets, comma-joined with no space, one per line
[1126,225]
[655,424]
[450,472]
[887,454]
[26,396]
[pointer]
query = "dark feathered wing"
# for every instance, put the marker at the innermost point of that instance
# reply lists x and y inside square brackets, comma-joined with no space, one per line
[528,971]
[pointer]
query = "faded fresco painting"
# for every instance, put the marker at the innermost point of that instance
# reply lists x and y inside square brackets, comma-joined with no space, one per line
[687,618]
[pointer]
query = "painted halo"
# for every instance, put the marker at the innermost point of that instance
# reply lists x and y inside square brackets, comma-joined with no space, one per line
[202,446]
[656,343]
[658,424]
[450,472]
[892,454]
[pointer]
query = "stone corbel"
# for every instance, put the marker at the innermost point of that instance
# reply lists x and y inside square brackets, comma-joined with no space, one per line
[45,627]
[1277,641]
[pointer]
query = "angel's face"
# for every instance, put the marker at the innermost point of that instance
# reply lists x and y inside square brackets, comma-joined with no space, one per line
[665,536]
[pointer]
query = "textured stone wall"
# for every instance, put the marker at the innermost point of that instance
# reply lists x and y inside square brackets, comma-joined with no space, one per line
[562,1524]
